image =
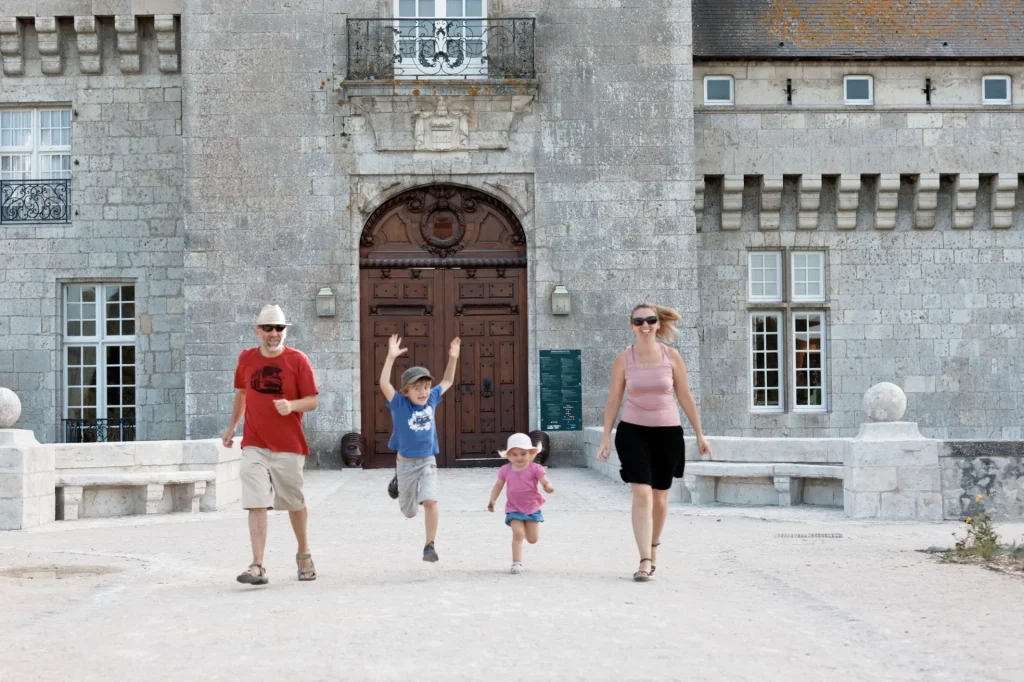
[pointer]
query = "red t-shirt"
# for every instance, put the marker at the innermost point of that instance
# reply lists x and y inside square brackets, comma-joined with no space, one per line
[289,376]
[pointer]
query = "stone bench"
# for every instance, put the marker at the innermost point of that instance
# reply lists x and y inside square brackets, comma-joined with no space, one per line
[148,489]
[701,478]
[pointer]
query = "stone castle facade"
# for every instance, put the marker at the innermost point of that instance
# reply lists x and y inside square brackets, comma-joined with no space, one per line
[823,219]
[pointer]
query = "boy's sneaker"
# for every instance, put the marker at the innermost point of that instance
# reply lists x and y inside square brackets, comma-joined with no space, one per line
[393,488]
[517,568]
[429,553]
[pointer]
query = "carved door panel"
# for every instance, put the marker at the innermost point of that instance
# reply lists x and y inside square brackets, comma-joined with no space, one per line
[437,262]
[486,308]
[407,303]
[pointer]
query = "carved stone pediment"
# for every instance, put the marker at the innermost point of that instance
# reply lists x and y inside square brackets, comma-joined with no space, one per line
[446,123]
[441,130]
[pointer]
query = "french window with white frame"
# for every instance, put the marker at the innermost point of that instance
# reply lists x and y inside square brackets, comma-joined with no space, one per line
[809,361]
[427,29]
[99,362]
[764,276]
[35,144]
[786,352]
[766,362]
[808,276]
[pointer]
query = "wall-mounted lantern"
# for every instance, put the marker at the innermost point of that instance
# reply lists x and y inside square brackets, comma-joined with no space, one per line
[560,301]
[325,304]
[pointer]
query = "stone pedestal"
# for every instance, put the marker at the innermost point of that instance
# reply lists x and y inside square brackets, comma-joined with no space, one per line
[26,480]
[892,472]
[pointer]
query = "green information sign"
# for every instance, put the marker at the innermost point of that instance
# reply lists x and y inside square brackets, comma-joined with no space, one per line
[561,390]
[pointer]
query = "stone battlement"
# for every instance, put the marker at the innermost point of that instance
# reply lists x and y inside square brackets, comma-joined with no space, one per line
[89,45]
[925,201]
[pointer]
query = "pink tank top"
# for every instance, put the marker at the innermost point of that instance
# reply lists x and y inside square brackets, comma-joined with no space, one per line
[650,393]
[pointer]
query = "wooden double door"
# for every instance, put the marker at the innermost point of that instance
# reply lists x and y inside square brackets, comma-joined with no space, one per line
[486,308]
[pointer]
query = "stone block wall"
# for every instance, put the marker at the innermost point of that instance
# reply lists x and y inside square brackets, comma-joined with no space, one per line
[918,210]
[118,75]
[992,469]
[284,167]
[261,221]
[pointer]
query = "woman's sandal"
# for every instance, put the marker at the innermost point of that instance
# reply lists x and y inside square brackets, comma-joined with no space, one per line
[642,575]
[310,572]
[250,578]
[653,567]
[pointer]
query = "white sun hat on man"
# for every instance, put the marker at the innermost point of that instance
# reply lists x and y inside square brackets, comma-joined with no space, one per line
[272,314]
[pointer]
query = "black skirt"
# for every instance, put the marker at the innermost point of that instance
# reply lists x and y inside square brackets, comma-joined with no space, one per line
[651,455]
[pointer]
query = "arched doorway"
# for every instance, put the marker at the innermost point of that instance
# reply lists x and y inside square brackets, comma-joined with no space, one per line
[435,263]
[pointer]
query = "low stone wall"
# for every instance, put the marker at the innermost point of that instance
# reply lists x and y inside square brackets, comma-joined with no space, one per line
[889,472]
[993,469]
[29,471]
[153,456]
[754,491]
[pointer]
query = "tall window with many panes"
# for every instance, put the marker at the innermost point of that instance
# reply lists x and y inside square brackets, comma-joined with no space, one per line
[788,320]
[99,363]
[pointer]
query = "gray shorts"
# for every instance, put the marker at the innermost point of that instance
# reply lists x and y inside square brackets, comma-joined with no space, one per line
[417,483]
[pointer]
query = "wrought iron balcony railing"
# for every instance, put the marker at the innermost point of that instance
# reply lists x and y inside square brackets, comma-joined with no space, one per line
[99,430]
[441,48]
[35,201]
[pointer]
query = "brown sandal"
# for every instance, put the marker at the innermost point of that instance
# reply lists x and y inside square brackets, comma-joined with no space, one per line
[642,576]
[310,572]
[250,578]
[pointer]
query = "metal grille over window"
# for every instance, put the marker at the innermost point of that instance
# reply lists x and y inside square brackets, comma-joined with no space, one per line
[35,166]
[99,363]
[441,39]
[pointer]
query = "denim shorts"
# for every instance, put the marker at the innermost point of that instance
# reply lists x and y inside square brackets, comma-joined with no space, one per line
[520,516]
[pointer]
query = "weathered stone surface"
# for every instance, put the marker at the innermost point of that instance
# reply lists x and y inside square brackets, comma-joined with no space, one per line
[10,408]
[885,402]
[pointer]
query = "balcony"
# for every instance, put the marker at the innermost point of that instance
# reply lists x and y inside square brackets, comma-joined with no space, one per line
[35,201]
[444,49]
[99,430]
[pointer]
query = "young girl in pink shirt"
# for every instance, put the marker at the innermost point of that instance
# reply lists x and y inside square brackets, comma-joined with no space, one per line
[522,501]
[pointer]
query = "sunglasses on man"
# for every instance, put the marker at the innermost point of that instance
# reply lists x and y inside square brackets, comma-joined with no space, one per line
[639,321]
[272,327]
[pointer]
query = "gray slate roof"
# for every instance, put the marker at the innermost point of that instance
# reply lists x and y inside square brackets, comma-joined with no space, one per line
[858,29]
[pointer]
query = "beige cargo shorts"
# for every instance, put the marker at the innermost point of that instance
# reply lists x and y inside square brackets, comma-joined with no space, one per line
[271,480]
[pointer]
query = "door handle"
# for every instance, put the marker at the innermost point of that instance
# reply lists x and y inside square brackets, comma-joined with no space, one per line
[486,392]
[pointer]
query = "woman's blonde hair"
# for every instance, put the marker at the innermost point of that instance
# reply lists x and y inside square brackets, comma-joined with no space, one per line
[667,318]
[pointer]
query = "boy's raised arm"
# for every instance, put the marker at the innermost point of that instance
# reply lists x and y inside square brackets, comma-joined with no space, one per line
[394,350]
[448,380]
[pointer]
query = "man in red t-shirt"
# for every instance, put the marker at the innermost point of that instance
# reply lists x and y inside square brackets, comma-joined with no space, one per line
[274,385]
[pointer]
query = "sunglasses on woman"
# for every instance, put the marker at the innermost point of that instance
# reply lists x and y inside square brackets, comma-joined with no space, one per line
[639,321]
[272,327]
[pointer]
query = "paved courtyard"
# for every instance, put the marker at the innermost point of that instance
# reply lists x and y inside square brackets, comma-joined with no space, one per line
[737,596]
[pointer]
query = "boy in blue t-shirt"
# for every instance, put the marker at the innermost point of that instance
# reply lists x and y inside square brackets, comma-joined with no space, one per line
[414,437]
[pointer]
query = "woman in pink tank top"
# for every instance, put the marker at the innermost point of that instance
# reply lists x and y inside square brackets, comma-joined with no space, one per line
[649,440]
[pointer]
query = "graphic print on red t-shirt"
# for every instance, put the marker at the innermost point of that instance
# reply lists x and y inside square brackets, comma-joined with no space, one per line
[288,376]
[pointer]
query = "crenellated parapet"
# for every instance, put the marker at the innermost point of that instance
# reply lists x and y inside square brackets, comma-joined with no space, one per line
[46,40]
[882,201]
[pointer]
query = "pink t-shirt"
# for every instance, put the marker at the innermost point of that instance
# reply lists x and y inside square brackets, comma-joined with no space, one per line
[521,494]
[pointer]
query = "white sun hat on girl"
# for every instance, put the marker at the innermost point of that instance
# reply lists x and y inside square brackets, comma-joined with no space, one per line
[519,440]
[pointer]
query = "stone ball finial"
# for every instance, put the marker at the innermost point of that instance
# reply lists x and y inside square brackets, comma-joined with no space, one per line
[10,408]
[885,402]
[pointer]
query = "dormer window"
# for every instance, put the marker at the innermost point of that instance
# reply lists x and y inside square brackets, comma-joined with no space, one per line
[718,90]
[858,90]
[996,90]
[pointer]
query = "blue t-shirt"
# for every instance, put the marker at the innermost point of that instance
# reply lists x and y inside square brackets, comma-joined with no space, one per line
[415,433]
